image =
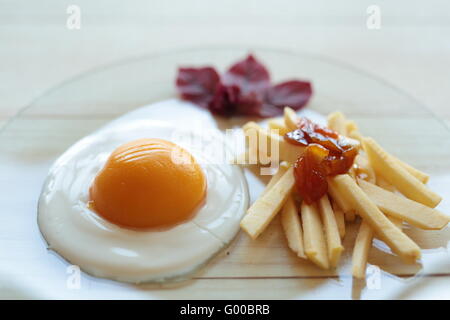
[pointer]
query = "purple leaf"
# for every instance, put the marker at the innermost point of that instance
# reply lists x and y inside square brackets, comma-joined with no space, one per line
[294,94]
[249,104]
[197,85]
[244,90]
[225,100]
[249,75]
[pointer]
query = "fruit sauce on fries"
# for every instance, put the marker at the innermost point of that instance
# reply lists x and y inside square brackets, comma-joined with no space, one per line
[325,155]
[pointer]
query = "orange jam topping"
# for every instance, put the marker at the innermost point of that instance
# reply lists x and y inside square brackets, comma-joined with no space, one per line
[325,155]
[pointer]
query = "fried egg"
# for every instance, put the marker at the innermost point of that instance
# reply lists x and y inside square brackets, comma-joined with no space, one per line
[134,203]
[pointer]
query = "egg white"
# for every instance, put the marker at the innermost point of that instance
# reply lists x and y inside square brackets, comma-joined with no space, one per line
[103,249]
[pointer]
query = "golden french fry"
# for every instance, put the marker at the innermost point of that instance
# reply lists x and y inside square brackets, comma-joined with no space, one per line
[340,219]
[397,222]
[278,124]
[340,201]
[389,187]
[350,126]
[398,176]
[290,119]
[263,210]
[313,236]
[349,216]
[337,122]
[384,228]
[361,250]
[281,171]
[382,183]
[346,140]
[421,176]
[290,221]
[363,243]
[353,132]
[333,238]
[364,169]
[287,151]
[352,172]
[251,125]
[345,206]
[405,209]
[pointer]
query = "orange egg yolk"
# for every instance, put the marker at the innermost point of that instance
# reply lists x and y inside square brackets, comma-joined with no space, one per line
[148,183]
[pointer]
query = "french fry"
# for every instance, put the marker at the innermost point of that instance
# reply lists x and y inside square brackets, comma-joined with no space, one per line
[290,221]
[384,184]
[363,244]
[361,250]
[346,140]
[355,134]
[421,176]
[398,176]
[397,222]
[364,168]
[350,126]
[352,130]
[287,151]
[337,122]
[313,236]
[405,209]
[340,219]
[281,171]
[384,228]
[389,187]
[263,210]
[251,125]
[349,216]
[333,238]
[290,119]
[278,124]
[345,206]
[352,172]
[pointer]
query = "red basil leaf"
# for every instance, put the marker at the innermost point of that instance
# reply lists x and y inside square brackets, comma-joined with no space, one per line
[249,75]
[197,85]
[248,105]
[225,100]
[244,90]
[294,94]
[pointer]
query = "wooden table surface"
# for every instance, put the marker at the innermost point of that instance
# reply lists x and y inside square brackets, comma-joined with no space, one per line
[411,50]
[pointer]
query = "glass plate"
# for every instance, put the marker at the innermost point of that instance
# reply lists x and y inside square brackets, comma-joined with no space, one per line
[248,269]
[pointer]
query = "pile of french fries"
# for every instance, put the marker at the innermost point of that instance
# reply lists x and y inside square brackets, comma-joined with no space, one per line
[379,188]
